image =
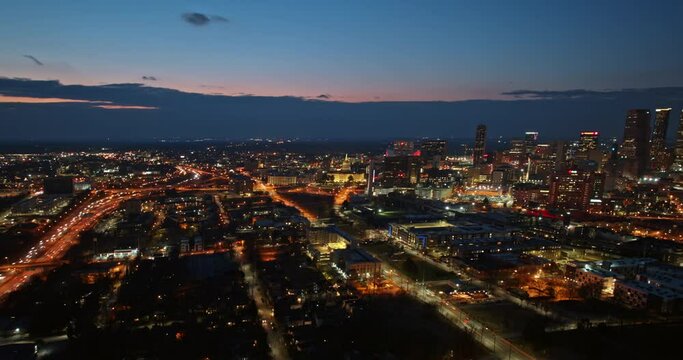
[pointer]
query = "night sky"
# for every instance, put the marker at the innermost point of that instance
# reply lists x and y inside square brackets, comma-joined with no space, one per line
[333,68]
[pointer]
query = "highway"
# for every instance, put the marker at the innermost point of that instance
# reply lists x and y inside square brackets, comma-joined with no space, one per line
[272,192]
[57,241]
[31,265]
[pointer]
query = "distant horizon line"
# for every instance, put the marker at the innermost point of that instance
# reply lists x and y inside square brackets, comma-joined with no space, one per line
[94,141]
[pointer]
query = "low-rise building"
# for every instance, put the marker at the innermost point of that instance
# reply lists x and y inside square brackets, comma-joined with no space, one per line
[647,296]
[282,180]
[444,234]
[355,263]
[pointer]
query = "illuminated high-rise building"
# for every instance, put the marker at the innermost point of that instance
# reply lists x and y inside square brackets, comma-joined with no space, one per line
[433,152]
[432,148]
[517,152]
[401,148]
[371,178]
[401,170]
[528,147]
[530,141]
[678,151]
[588,152]
[479,145]
[574,189]
[634,148]
[560,154]
[659,157]
[588,140]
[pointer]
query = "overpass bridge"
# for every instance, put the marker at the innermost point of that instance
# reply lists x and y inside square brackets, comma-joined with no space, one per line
[32,265]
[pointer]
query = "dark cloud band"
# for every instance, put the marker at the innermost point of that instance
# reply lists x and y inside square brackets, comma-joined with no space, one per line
[88,111]
[33,58]
[199,19]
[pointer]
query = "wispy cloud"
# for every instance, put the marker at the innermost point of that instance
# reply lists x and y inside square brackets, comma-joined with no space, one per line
[33,58]
[547,94]
[100,104]
[199,19]
[671,93]
[40,100]
[126,107]
[206,86]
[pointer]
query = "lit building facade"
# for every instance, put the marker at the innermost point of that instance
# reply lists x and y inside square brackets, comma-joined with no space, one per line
[574,189]
[659,156]
[678,151]
[479,145]
[634,149]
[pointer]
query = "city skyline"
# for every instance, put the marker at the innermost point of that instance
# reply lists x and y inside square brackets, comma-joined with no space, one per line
[299,179]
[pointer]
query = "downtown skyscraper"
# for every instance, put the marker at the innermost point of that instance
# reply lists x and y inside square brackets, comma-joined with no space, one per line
[659,157]
[530,141]
[479,145]
[678,150]
[588,146]
[634,149]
